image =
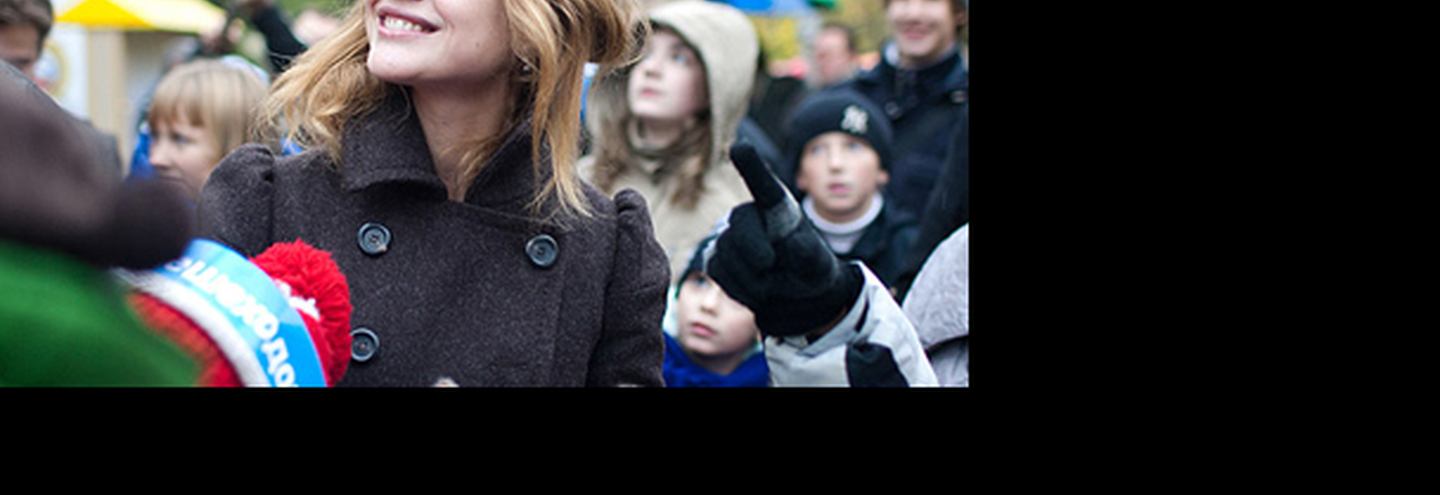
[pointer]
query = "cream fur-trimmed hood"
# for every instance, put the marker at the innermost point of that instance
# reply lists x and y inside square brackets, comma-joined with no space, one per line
[727,44]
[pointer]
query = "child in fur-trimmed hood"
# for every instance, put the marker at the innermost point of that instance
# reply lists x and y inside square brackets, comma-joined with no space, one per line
[663,126]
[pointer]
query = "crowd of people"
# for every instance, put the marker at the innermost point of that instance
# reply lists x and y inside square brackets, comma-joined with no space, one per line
[520,193]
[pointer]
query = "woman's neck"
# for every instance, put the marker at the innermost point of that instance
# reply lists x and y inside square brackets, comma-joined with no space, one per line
[454,118]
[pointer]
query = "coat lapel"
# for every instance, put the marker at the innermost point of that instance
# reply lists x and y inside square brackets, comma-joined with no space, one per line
[388,146]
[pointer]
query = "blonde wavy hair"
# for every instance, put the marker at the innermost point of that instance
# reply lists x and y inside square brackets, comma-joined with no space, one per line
[329,85]
[222,99]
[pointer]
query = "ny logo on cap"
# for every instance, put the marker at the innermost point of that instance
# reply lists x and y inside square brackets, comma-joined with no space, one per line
[855,120]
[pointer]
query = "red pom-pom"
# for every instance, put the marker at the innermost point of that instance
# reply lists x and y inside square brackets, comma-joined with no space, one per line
[320,294]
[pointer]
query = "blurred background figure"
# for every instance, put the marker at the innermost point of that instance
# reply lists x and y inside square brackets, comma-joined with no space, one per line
[105,58]
[283,40]
[772,100]
[920,83]
[663,126]
[312,25]
[835,58]
[201,112]
[24,24]
[63,321]
[281,45]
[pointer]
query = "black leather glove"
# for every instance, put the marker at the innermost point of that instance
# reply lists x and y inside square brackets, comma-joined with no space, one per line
[772,260]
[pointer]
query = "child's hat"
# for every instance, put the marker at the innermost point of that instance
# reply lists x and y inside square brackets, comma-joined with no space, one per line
[839,111]
[697,258]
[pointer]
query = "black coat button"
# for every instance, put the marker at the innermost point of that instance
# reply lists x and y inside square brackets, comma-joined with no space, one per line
[374,239]
[363,344]
[542,250]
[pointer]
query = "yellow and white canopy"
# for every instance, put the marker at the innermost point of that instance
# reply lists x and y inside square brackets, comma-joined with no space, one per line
[187,16]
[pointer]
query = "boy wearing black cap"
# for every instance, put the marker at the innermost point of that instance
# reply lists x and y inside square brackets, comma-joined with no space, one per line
[840,153]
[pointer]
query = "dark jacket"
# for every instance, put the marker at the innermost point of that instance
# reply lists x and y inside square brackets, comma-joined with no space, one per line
[457,291]
[60,191]
[948,207]
[281,45]
[885,244]
[106,160]
[924,108]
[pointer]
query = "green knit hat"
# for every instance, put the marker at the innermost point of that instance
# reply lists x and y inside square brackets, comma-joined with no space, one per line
[65,323]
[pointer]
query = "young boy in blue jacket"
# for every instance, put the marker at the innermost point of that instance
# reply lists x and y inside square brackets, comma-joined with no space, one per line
[716,342]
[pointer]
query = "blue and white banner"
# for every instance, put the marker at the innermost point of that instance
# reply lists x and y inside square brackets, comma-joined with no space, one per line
[241,309]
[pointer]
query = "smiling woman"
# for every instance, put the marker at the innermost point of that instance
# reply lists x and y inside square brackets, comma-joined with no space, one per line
[440,174]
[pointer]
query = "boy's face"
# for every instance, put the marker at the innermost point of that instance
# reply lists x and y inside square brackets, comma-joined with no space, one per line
[712,324]
[20,46]
[184,153]
[842,173]
[923,29]
[668,84]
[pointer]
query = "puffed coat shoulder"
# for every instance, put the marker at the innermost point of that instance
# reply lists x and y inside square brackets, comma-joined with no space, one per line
[476,293]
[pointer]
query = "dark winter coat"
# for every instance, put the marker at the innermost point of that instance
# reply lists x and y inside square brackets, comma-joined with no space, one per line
[473,293]
[948,207]
[885,244]
[924,109]
[60,191]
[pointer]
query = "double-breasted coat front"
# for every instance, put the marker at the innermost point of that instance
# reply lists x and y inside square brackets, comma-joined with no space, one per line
[477,293]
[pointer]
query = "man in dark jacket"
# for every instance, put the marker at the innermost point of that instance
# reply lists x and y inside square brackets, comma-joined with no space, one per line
[921,82]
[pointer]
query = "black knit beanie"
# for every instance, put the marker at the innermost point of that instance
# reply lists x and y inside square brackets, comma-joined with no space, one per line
[843,111]
[697,260]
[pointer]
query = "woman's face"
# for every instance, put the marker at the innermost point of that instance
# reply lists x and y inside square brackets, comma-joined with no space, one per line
[668,84]
[446,42]
[184,153]
[711,323]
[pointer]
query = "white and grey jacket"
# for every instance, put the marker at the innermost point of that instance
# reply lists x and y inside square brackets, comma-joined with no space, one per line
[875,345]
[939,306]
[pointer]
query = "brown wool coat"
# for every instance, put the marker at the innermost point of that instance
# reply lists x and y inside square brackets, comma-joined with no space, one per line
[457,296]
